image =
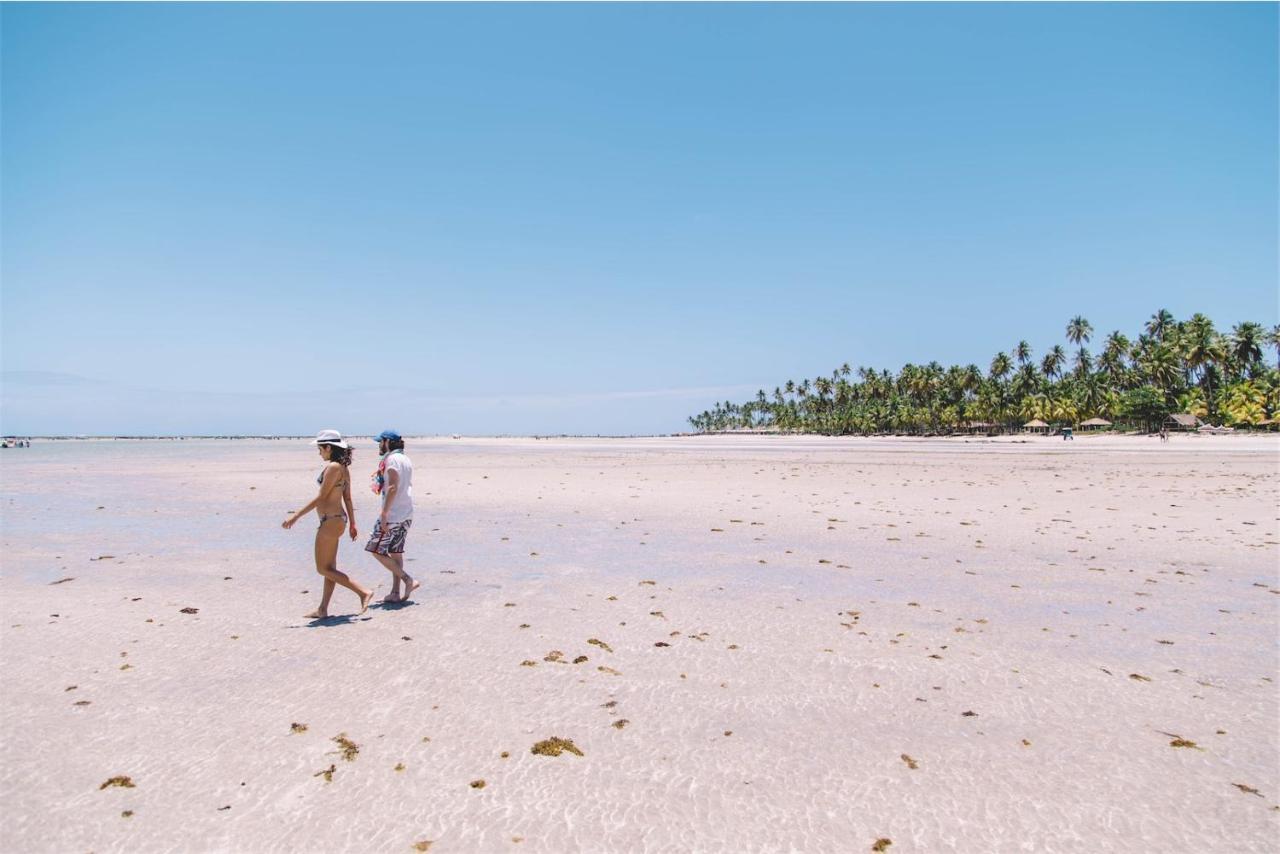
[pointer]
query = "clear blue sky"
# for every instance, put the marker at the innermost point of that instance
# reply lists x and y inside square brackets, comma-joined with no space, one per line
[545,218]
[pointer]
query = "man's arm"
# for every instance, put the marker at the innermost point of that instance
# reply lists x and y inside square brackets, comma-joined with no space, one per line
[389,490]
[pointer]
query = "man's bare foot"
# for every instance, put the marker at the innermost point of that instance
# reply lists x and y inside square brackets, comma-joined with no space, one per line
[317,614]
[391,598]
[365,600]
[408,590]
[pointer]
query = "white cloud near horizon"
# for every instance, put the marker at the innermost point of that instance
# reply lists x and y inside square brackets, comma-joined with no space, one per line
[54,403]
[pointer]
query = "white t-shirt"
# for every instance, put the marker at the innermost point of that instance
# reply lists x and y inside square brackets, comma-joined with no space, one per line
[401,507]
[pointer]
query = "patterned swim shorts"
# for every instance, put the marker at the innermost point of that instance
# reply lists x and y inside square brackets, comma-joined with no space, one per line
[390,541]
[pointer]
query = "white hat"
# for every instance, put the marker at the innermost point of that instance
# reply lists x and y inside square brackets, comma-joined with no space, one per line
[330,437]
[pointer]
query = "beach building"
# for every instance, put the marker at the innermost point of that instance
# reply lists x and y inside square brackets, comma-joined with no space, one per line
[1182,421]
[1035,425]
[1094,424]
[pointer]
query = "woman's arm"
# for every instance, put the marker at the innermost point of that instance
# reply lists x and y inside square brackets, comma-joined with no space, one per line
[351,507]
[327,484]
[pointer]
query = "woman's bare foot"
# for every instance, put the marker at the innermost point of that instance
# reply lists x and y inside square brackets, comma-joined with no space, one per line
[408,590]
[317,614]
[365,600]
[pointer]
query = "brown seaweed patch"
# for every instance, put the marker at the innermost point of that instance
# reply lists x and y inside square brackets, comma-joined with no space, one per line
[554,746]
[1183,742]
[662,643]
[600,643]
[189,611]
[646,581]
[348,748]
[124,782]
[1248,790]
[1138,677]
[881,844]
[619,724]
[554,656]
[326,773]
[62,580]
[608,670]
[580,659]
[969,714]
[478,784]
[126,814]
[297,727]
[528,662]
[911,763]
[81,702]
[399,767]
[422,845]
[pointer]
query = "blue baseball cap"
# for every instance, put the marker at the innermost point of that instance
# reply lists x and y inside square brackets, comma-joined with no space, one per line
[388,435]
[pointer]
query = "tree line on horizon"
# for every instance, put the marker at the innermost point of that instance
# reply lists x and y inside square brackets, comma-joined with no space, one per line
[1171,367]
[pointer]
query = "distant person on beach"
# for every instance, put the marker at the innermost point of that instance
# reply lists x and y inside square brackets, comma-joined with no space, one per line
[334,507]
[393,481]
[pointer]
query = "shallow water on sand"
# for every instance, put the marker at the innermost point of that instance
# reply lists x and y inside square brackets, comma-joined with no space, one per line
[787,621]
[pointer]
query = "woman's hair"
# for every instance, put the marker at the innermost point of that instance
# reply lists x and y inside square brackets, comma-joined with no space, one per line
[395,444]
[339,455]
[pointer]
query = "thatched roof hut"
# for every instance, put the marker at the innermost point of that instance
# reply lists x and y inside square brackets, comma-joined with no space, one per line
[1182,421]
[1035,425]
[1095,424]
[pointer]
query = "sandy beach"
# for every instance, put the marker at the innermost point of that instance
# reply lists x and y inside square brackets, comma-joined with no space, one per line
[754,644]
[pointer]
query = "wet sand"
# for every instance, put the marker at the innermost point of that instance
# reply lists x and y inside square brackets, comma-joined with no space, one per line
[755,643]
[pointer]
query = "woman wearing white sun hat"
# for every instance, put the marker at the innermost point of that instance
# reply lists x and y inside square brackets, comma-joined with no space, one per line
[334,507]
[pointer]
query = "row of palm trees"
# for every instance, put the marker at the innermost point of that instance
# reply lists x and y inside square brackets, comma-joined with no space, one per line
[1171,366]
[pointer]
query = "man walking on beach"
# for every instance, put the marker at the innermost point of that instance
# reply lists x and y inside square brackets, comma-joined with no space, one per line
[394,482]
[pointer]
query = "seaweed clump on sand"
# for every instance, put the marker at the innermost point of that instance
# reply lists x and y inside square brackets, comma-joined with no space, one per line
[911,763]
[348,748]
[881,844]
[600,643]
[122,781]
[619,724]
[422,845]
[327,773]
[297,727]
[554,746]
[1182,742]
[477,784]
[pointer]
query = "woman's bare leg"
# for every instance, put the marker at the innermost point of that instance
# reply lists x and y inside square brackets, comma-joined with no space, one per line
[327,538]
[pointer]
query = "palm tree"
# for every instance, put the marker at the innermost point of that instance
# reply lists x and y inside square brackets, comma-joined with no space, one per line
[1246,345]
[1160,364]
[1053,361]
[1170,364]
[1000,367]
[1202,348]
[1273,339]
[1079,330]
[1022,352]
[1160,324]
[1083,362]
